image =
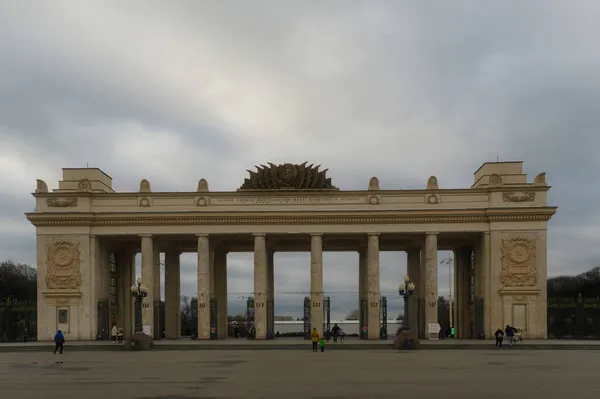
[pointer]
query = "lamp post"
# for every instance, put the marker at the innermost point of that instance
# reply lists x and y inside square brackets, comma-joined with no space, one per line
[405,290]
[139,291]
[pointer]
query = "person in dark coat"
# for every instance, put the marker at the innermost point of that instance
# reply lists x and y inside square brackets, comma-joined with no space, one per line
[510,335]
[499,338]
[59,341]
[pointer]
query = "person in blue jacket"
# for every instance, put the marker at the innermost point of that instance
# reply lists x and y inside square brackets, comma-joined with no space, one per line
[59,341]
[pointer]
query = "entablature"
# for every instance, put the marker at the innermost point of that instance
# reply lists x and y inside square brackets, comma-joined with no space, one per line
[292,218]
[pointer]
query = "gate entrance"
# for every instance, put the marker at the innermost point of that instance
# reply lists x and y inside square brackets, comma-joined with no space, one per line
[270,319]
[327,315]
[306,317]
[383,319]
[103,320]
[363,319]
[250,330]
[213,319]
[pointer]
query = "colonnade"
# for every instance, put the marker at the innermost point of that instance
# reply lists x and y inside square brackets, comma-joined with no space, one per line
[422,268]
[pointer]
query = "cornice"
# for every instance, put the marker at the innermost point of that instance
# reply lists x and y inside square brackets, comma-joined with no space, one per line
[293,218]
[300,193]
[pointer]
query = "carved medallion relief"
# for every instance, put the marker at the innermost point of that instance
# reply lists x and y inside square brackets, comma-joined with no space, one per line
[63,265]
[518,262]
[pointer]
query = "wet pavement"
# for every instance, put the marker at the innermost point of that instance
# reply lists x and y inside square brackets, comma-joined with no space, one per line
[297,374]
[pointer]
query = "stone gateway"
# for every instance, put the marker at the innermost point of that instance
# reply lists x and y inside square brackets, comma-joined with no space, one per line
[88,236]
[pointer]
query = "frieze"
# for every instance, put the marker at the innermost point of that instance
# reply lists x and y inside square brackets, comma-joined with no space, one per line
[518,197]
[287,200]
[518,262]
[61,202]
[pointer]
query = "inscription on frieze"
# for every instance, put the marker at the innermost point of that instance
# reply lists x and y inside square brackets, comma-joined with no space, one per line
[287,200]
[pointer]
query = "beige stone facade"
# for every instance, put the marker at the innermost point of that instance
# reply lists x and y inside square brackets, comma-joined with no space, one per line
[88,236]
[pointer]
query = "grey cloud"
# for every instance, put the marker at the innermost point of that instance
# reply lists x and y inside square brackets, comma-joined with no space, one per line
[390,89]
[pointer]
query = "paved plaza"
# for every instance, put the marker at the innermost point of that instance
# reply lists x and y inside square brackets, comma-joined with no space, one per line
[296,374]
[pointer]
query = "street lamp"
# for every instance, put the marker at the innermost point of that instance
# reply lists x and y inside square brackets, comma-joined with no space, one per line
[405,291]
[139,291]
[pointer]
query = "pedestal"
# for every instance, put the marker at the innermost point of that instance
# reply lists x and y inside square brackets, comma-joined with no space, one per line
[140,342]
[406,339]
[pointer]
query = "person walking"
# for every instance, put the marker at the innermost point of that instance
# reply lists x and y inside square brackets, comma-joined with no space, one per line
[510,335]
[314,336]
[59,342]
[113,333]
[336,332]
[499,337]
[120,332]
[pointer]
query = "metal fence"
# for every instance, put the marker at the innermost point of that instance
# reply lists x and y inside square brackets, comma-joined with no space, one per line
[18,323]
[574,318]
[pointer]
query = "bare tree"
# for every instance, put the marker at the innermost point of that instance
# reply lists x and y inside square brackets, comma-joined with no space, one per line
[18,280]
[189,314]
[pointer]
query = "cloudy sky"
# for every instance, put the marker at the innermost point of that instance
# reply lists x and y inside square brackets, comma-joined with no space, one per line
[179,90]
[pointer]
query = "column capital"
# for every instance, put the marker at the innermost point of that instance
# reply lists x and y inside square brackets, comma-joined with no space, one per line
[432,233]
[259,234]
[316,234]
[145,235]
[486,233]
[201,235]
[373,234]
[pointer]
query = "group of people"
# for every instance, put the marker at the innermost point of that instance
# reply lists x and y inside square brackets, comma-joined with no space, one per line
[319,342]
[116,334]
[510,333]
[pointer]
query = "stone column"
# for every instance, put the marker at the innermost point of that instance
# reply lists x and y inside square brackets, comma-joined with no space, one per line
[486,285]
[362,284]
[220,282]
[157,294]
[458,287]
[316,282]
[413,262]
[148,280]
[260,285]
[47,332]
[126,268]
[373,296]
[204,293]
[271,290]
[466,293]
[172,295]
[431,279]
[129,326]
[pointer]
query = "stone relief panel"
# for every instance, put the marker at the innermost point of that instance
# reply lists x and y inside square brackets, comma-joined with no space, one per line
[63,264]
[144,202]
[519,262]
[61,202]
[201,201]
[61,301]
[432,199]
[518,197]
[374,200]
